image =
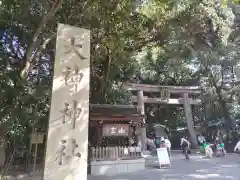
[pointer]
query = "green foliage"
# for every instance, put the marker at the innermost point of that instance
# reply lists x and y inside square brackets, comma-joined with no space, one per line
[118,32]
[156,41]
[197,51]
[235,110]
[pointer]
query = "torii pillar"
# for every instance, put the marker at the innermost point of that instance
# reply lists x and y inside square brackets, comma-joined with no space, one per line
[189,120]
[142,136]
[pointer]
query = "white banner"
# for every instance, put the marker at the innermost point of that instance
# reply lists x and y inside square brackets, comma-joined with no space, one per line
[163,157]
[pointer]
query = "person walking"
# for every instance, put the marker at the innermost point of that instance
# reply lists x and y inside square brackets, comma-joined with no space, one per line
[219,142]
[185,144]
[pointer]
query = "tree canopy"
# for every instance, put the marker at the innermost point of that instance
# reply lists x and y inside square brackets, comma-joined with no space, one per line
[155,41]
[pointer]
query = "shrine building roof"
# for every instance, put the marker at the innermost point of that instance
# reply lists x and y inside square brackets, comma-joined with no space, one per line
[114,112]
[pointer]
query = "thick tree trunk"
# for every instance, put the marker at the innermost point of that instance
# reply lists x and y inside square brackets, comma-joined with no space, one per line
[143,135]
[2,156]
[189,120]
[228,120]
[2,145]
[30,57]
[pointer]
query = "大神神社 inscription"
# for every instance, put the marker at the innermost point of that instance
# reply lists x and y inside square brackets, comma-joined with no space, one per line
[67,142]
[67,146]
[72,76]
[71,112]
[74,146]
[75,114]
[73,47]
[61,152]
[65,113]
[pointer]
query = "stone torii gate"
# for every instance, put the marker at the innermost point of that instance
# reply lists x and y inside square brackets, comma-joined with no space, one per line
[165,93]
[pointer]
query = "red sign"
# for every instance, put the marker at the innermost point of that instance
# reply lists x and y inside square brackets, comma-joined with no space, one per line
[115,129]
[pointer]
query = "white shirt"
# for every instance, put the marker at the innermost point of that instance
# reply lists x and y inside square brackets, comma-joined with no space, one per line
[168,143]
[237,146]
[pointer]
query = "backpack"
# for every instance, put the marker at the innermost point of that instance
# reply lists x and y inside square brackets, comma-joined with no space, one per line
[157,141]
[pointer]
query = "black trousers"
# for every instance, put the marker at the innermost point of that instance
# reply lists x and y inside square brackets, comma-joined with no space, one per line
[186,150]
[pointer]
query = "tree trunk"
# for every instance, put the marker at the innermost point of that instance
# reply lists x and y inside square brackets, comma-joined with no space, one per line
[2,156]
[228,120]
[189,120]
[2,145]
[30,57]
[143,136]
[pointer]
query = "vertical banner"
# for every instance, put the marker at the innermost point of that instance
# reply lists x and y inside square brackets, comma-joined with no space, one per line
[67,141]
[163,157]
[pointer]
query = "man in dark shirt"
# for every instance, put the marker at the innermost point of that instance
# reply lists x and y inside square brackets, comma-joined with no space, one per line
[185,144]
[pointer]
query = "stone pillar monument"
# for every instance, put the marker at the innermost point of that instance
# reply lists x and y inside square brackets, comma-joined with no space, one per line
[67,142]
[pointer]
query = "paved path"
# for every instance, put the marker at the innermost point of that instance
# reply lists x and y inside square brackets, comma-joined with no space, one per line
[197,168]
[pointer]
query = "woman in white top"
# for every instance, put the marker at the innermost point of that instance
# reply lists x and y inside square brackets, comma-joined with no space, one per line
[168,145]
